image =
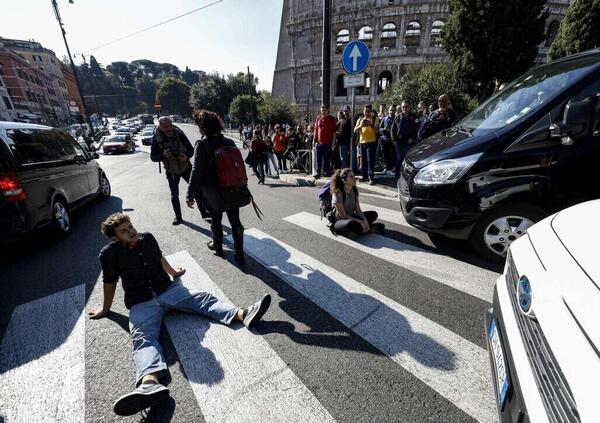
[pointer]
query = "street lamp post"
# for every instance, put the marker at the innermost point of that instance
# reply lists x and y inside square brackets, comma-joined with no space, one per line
[64,34]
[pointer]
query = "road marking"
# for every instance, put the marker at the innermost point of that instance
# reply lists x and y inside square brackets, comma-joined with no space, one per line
[459,275]
[451,365]
[387,215]
[42,360]
[235,375]
[381,197]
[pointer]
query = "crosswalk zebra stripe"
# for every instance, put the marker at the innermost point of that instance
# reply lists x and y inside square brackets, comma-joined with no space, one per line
[459,275]
[451,365]
[381,197]
[387,215]
[42,360]
[235,375]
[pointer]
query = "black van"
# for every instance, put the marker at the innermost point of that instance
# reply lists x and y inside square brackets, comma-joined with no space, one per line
[44,174]
[528,151]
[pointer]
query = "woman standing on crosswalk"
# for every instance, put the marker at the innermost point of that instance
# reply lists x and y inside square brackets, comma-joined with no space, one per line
[350,219]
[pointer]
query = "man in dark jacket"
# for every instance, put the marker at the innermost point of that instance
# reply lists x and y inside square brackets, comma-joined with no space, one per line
[171,147]
[444,117]
[404,133]
[203,183]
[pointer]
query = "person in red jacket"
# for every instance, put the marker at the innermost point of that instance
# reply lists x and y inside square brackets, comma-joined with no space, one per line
[280,146]
[259,149]
[325,127]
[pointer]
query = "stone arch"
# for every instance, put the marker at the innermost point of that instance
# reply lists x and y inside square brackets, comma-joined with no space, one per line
[412,35]
[365,34]
[384,81]
[389,34]
[436,33]
[366,89]
[343,38]
[340,91]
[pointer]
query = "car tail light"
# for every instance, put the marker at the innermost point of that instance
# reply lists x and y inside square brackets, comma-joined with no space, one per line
[11,187]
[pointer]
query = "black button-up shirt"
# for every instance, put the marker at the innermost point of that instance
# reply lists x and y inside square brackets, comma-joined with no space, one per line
[139,268]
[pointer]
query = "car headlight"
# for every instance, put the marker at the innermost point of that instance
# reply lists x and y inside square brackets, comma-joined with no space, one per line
[445,171]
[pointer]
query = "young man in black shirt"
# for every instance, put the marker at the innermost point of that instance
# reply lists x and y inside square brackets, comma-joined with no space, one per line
[146,275]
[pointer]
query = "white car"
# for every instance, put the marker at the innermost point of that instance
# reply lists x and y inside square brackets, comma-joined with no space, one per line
[543,331]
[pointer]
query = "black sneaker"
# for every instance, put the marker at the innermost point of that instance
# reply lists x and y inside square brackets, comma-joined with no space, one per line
[145,396]
[377,227]
[218,250]
[256,311]
[177,221]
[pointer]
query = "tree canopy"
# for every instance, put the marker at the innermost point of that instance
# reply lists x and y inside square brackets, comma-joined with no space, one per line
[172,93]
[579,30]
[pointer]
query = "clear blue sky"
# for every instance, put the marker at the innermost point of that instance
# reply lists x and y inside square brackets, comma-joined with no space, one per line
[225,37]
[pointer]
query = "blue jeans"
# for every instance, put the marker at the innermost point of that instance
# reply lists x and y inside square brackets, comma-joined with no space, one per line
[402,148]
[368,152]
[345,156]
[323,158]
[145,319]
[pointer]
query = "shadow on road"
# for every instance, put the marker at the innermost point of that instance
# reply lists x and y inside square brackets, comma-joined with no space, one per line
[392,338]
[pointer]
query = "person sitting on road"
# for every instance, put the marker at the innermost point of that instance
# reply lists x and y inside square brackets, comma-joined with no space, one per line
[350,219]
[151,288]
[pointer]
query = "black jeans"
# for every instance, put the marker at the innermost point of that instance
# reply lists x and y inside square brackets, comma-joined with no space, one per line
[343,226]
[174,187]
[323,159]
[217,217]
[259,166]
[281,160]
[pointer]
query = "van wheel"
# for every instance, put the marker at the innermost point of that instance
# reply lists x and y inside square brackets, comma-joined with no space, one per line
[61,220]
[105,189]
[497,230]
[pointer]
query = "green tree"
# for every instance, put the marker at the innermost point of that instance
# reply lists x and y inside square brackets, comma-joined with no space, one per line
[190,77]
[211,93]
[579,30]
[428,84]
[173,94]
[146,89]
[273,110]
[122,71]
[242,109]
[241,84]
[490,42]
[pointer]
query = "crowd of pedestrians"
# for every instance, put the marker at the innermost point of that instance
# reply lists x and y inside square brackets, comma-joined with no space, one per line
[376,144]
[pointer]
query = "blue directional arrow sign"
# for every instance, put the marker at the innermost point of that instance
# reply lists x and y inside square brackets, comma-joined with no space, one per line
[355,58]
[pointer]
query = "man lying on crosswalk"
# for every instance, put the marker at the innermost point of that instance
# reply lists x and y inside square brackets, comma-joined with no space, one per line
[149,293]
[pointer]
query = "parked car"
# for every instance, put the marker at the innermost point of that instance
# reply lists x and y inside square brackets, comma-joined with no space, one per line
[523,154]
[118,144]
[146,137]
[543,333]
[44,175]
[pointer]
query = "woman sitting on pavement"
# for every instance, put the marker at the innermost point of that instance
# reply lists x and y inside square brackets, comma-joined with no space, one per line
[350,219]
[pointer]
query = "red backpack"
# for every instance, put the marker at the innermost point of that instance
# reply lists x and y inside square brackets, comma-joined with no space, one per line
[231,171]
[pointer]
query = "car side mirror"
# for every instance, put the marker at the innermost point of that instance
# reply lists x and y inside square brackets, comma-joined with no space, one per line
[577,118]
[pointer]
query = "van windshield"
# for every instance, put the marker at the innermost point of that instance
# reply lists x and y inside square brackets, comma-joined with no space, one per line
[527,94]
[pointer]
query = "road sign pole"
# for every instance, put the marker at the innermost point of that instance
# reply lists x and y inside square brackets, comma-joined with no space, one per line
[352,152]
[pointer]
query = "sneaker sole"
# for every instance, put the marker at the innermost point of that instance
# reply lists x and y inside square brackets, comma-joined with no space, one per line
[264,306]
[135,402]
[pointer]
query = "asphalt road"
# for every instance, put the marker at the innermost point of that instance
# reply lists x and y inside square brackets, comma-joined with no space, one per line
[388,328]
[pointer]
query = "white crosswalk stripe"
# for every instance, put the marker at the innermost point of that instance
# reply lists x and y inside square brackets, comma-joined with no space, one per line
[387,215]
[462,276]
[42,360]
[235,375]
[449,364]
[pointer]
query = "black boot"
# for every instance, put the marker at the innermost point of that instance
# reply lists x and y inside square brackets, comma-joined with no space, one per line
[216,244]
[177,210]
[238,245]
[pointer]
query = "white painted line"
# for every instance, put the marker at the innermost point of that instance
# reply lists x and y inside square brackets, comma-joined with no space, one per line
[459,275]
[381,197]
[449,364]
[387,215]
[235,375]
[42,359]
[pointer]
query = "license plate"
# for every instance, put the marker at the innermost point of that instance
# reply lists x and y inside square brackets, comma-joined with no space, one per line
[502,379]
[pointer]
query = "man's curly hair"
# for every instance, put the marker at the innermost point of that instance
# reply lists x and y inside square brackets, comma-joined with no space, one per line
[209,122]
[111,222]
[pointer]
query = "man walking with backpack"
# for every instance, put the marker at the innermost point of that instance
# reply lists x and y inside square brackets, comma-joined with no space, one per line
[171,147]
[219,176]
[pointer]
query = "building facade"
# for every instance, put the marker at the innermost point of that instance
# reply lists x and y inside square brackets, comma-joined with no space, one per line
[399,33]
[45,60]
[6,106]
[72,90]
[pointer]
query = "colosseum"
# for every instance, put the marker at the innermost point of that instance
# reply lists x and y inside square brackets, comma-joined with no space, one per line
[399,33]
